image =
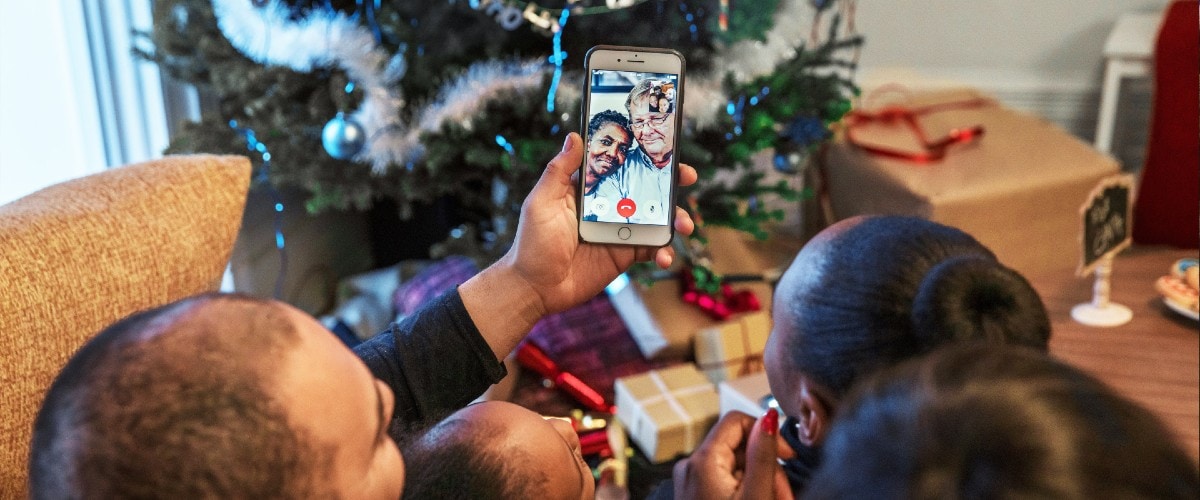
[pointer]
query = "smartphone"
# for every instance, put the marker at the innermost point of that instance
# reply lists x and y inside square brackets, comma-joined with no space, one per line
[632,104]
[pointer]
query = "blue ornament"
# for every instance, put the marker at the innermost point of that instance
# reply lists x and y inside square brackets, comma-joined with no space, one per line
[780,161]
[805,130]
[343,138]
[788,160]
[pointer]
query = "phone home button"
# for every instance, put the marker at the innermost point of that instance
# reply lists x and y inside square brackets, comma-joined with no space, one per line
[624,233]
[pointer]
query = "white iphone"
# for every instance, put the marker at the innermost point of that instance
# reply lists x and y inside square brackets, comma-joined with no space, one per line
[631,118]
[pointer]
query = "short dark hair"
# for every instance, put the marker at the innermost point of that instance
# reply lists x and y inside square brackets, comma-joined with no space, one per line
[174,403]
[982,421]
[894,287]
[608,116]
[457,459]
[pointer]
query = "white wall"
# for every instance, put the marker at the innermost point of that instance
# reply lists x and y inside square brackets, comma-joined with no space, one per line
[1036,40]
[1033,43]
[1042,56]
[49,123]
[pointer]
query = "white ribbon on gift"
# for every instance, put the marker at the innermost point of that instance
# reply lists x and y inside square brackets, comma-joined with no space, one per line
[665,394]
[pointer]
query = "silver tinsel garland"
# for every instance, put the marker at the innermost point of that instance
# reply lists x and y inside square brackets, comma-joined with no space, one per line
[268,36]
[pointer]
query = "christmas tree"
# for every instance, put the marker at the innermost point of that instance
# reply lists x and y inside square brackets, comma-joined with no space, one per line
[416,101]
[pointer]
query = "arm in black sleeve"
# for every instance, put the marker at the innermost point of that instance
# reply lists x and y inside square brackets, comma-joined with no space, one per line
[435,360]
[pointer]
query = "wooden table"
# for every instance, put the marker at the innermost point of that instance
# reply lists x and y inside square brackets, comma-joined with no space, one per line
[1154,359]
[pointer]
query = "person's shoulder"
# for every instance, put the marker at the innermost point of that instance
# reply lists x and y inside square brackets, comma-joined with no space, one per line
[607,184]
[638,162]
[607,188]
[638,155]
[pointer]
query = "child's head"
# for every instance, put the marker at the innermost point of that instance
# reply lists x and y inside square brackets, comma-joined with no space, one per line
[977,421]
[869,292]
[497,450]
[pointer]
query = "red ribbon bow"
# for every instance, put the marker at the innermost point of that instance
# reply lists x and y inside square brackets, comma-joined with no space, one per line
[704,288]
[932,150]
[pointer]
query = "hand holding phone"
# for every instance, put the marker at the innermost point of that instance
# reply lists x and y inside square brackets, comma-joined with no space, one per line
[631,115]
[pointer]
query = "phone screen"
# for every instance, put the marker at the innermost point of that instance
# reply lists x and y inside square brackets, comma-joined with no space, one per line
[629,164]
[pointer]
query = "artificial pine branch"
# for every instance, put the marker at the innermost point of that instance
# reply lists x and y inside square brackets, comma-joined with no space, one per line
[288,109]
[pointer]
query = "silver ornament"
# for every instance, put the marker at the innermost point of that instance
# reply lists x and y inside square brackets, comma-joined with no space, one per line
[343,138]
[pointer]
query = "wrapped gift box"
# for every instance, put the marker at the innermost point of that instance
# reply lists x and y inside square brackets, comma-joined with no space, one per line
[667,412]
[734,348]
[663,325]
[745,394]
[1017,188]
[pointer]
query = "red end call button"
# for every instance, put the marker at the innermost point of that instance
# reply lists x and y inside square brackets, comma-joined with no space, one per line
[626,207]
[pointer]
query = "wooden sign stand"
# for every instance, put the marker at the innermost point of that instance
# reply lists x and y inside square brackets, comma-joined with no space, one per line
[1106,217]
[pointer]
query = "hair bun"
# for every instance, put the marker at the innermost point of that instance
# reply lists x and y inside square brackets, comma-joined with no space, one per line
[976,298]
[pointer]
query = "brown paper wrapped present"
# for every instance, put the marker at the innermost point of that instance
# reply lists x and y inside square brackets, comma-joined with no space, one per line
[663,325]
[1017,187]
[734,348]
[667,412]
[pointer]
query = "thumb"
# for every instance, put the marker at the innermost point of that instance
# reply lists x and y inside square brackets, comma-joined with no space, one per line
[762,469]
[556,182]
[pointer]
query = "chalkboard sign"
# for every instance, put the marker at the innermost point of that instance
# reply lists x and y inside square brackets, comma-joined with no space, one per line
[1107,215]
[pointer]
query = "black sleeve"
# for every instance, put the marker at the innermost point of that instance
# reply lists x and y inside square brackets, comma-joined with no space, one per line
[435,360]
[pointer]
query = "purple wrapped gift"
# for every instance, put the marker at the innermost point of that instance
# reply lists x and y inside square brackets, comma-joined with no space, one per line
[434,280]
[591,342]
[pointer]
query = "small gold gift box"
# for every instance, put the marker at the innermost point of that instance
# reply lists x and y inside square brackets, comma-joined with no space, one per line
[667,412]
[735,348]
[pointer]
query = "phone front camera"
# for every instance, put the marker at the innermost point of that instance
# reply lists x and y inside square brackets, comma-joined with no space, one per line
[618,60]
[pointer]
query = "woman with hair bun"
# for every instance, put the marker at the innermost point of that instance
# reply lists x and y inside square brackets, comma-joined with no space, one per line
[866,293]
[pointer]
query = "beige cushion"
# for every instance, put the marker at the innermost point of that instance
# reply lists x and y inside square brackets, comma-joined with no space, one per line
[77,256]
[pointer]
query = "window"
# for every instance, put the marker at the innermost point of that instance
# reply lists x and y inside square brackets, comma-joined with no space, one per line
[73,97]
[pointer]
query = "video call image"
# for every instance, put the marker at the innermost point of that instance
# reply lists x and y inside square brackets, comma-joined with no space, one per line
[629,161]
